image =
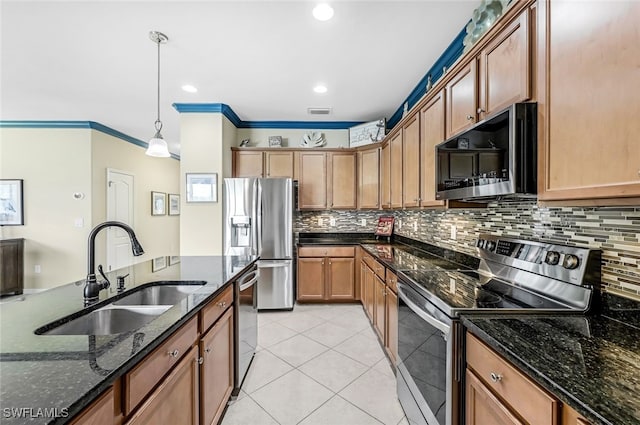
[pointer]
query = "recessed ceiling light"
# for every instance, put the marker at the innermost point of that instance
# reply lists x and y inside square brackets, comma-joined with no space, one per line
[323,12]
[320,88]
[189,88]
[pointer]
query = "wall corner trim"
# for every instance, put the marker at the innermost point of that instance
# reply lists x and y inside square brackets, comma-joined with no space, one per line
[78,124]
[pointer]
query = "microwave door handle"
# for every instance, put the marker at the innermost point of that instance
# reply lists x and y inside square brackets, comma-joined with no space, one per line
[444,328]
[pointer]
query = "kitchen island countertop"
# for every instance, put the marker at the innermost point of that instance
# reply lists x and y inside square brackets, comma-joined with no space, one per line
[64,373]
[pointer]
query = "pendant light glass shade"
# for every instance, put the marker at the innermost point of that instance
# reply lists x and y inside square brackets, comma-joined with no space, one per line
[157,145]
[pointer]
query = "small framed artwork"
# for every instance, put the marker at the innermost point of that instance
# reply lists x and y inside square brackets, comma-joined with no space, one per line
[275,141]
[11,213]
[158,203]
[158,264]
[174,259]
[174,204]
[202,187]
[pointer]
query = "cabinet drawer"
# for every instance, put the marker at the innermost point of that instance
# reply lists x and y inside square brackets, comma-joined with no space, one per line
[392,281]
[213,310]
[149,372]
[326,251]
[524,396]
[375,266]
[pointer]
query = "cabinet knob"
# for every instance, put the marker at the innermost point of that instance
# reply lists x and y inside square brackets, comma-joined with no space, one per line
[173,353]
[480,110]
[200,360]
[495,377]
[329,262]
[469,117]
[207,350]
[222,304]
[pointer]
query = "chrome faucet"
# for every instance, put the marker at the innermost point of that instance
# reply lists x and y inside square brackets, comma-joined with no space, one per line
[92,287]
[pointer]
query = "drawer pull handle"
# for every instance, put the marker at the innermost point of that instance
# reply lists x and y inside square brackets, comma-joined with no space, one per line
[222,304]
[495,377]
[200,360]
[174,353]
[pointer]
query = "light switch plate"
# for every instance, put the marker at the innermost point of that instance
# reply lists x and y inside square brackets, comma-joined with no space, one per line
[454,232]
[320,221]
[332,222]
[37,268]
[415,226]
[452,285]
[363,222]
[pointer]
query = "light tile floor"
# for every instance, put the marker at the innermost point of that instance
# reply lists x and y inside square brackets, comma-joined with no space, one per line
[320,364]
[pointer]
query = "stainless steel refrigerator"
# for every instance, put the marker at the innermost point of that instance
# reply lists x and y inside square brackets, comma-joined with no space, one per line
[259,221]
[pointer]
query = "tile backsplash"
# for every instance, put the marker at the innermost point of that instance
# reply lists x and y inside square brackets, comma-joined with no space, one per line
[616,231]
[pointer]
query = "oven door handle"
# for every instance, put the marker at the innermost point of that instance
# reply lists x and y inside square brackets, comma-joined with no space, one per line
[443,327]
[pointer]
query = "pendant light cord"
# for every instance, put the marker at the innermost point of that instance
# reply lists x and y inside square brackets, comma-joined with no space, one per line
[158,123]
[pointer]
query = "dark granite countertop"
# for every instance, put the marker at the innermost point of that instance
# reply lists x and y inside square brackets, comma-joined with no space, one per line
[591,363]
[67,372]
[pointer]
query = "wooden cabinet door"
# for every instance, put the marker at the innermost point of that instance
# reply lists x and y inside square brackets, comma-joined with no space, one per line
[369,179]
[247,164]
[312,192]
[461,100]
[379,307]
[571,417]
[175,401]
[504,71]
[340,283]
[411,162]
[482,407]
[363,286]
[385,176]
[432,133]
[396,170]
[588,112]
[100,412]
[278,164]
[391,331]
[369,293]
[311,284]
[342,185]
[216,370]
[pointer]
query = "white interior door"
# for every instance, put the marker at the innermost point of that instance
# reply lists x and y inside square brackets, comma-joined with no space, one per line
[119,208]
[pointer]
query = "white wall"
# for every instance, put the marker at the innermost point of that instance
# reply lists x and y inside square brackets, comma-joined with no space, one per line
[259,137]
[54,164]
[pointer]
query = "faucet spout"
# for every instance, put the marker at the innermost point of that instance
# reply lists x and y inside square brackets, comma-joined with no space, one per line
[92,287]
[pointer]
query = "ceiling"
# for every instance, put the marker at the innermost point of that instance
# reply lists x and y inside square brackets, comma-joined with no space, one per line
[94,61]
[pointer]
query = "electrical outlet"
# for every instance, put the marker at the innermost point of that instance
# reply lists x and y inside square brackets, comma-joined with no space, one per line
[363,222]
[332,222]
[415,226]
[79,222]
[37,268]
[454,232]
[320,222]
[399,224]
[452,285]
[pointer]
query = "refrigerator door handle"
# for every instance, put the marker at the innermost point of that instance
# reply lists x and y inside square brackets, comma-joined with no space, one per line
[258,212]
[273,264]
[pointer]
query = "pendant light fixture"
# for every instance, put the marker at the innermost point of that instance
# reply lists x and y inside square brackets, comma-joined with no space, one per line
[157,145]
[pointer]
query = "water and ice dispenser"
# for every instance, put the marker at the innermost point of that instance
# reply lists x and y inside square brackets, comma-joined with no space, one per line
[241,231]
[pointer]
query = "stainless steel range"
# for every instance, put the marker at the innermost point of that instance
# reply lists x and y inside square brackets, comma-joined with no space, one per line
[514,276]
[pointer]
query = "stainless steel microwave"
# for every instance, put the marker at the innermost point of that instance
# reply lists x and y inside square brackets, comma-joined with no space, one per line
[496,157]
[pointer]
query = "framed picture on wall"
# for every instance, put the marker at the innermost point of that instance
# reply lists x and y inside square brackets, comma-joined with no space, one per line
[174,204]
[202,187]
[158,264]
[174,259]
[11,213]
[158,203]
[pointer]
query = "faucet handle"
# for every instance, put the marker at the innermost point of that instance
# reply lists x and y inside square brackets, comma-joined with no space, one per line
[106,283]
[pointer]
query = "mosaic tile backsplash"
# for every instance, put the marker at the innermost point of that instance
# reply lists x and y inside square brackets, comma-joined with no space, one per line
[616,231]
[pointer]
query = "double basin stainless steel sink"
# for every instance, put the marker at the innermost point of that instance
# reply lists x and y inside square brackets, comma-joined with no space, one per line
[125,314]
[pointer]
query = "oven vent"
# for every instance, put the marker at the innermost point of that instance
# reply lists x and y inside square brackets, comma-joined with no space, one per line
[318,111]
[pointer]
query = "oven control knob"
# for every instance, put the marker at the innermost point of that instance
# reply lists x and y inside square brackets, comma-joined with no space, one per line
[571,262]
[490,245]
[552,258]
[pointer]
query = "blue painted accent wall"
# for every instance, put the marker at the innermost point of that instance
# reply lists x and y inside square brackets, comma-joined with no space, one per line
[231,115]
[450,55]
[78,124]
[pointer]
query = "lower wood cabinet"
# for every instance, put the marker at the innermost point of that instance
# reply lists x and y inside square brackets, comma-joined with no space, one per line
[175,401]
[483,407]
[216,369]
[379,316]
[11,266]
[391,316]
[100,412]
[329,277]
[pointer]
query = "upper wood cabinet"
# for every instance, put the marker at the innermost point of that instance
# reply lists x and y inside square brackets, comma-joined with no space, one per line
[247,164]
[385,176]
[395,170]
[342,180]
[432,132]
[461,100]
[588,71]
[504,68]
[278,164]
[411,162]
[369,179]
[312,193]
